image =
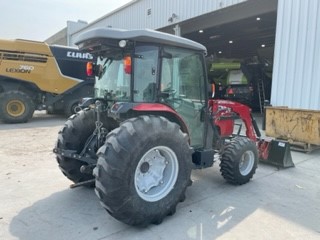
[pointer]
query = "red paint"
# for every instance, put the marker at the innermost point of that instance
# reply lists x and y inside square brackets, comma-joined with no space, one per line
[153,107]
[225,108]
[158,107]
[263,147]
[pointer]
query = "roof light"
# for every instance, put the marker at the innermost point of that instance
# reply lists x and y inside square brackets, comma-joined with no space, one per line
[122,43]
[263,45]
[258,18]
[230,41]
[220,52]
[200,31]
[214,36]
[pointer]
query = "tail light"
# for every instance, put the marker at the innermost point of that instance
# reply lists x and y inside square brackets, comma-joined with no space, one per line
[89,69]
[230,91]
[127,65]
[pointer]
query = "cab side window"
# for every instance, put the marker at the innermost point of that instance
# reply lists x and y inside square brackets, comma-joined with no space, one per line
[182,82]
[145,73]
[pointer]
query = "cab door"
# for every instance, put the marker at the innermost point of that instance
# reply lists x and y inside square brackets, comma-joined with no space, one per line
[182,83]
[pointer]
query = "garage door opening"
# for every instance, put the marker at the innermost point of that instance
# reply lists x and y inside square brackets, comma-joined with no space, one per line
[240,43]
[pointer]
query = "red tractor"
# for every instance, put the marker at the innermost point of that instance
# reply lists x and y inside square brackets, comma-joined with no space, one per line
[151,122]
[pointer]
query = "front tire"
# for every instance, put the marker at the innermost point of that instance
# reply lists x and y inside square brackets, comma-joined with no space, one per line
[143,170]
[16,107]
[239,161]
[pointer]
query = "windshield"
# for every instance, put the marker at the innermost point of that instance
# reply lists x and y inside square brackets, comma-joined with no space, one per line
[112,83]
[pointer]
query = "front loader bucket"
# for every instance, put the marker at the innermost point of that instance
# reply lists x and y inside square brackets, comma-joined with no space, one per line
[277,153]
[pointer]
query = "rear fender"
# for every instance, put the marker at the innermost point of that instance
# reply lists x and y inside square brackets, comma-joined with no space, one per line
[162,110]
[127,110]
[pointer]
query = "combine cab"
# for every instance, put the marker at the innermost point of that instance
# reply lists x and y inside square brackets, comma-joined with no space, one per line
[244,81]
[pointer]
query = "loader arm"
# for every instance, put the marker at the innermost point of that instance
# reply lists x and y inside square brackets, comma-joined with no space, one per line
[272,151]
[224,109]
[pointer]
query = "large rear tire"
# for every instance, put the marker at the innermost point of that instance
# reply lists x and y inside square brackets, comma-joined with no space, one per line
[239,161]
[73,136]
[16,107]
[143,170]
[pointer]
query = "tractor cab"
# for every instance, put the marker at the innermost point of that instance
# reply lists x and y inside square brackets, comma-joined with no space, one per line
[146,71]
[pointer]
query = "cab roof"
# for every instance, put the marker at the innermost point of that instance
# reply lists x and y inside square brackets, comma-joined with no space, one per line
[139,35]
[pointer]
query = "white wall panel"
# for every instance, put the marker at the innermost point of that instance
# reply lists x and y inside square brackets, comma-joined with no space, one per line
[296,75]
[135,14]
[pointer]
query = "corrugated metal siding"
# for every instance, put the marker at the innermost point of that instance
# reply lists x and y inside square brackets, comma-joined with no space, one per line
[135,15]
[296,74]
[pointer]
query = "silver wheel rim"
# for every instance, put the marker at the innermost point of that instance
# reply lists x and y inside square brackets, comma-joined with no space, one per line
[156,173]
[246,163]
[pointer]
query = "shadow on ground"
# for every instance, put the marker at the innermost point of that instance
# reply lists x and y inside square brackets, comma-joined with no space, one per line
[277,204]
[69,214]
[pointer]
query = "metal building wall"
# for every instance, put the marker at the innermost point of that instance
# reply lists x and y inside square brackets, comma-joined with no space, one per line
[135,14]
[296,73]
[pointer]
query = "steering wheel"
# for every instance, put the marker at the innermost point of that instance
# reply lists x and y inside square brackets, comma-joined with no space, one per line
[169,91]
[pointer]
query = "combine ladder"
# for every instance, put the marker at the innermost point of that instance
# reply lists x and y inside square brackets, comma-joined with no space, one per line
[261,93]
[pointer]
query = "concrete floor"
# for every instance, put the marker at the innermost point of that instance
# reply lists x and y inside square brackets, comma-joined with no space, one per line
[37,203]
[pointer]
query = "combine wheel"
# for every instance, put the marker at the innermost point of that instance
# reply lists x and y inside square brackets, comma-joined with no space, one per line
[71,108]
[239,161]
[143,170]
[16,107]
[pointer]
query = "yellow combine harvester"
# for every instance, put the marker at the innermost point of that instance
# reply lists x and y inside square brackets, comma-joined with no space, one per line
[36,76]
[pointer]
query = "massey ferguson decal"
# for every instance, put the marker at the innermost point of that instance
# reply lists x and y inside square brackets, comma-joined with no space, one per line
[79,55]
[21,69]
